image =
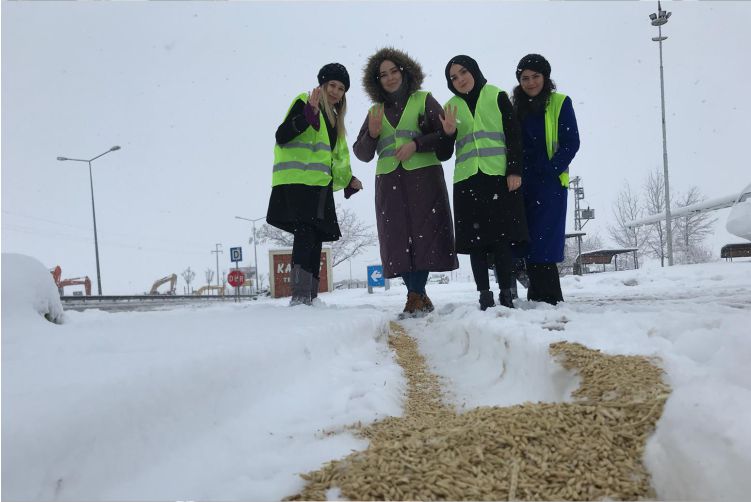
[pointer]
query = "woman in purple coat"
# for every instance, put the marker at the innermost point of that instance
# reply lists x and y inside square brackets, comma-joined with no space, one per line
[550,139]
[415,229]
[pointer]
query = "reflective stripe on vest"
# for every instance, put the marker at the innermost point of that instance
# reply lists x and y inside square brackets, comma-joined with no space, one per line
[552,113]
[480,139]
[308,159]
[406,130]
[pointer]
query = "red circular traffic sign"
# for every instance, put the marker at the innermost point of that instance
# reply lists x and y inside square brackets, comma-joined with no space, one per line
[236,278]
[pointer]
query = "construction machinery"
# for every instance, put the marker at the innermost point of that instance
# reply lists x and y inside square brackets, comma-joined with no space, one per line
[200,291]
[172,279]
[75,281]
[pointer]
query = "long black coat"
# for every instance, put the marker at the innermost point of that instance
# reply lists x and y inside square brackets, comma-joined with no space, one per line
[295,204]
[485,212]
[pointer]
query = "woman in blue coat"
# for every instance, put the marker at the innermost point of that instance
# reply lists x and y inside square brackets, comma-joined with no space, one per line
[550,141]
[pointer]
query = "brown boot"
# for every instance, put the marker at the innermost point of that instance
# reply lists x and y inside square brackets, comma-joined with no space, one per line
[427,304]
[413,306]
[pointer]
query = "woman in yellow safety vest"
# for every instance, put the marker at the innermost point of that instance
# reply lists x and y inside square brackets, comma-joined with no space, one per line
[413,214]
[488,205]
[311,161]
[550,138]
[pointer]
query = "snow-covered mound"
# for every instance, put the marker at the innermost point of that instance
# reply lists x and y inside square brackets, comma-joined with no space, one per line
[28,291]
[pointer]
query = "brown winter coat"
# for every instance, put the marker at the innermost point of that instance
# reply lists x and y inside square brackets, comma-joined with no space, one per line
[415,228]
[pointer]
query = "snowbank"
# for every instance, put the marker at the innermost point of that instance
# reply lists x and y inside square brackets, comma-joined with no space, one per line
[28,291]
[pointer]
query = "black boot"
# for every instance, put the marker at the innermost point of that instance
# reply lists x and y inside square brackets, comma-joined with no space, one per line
[301,281]
[486,300]
[505,298]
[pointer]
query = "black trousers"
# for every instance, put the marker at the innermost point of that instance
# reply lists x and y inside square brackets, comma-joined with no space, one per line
[544,283]
[502,261]
[306,249]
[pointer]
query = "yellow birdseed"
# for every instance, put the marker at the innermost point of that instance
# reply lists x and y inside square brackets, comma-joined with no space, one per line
[585,450]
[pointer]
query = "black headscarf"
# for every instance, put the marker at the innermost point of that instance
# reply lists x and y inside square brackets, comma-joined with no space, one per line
[472,67]
[523,104]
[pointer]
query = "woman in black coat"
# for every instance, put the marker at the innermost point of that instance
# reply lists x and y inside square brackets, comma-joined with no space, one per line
[311,161]
[488,205]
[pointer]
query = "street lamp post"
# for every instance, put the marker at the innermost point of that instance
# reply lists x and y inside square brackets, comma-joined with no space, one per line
[658,20]
[93,212]
[255,252]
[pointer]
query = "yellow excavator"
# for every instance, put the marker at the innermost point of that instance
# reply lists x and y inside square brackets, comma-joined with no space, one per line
[172,279]
[208,289]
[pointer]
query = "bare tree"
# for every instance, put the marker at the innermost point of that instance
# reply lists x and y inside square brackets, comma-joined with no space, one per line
[691,230]
[628,208]
[356,236]
[188,276]
[654,203]
[209,275]
[267,233]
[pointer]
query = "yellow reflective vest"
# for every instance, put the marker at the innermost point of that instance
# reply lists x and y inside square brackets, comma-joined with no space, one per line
[308,159]
[406,130]
[480,139]
[552,113]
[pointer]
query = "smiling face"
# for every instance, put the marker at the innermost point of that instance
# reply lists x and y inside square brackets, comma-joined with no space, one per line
[390,76]
[333,90]
[461,79]
[531,82]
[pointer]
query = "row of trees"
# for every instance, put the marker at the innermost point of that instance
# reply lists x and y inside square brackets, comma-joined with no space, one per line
[189,276]
[689,232]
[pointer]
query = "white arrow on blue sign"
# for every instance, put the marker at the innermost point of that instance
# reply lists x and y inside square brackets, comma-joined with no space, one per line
[375,276]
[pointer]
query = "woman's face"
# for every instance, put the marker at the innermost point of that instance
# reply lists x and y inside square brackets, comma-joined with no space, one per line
[334,90]
[531,82]
[461,79]
[390,76]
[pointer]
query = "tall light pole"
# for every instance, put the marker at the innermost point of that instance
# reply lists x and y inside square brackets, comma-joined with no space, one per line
[658,20]
[93,212]
[255,252]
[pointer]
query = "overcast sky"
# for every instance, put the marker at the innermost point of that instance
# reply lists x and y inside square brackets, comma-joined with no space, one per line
[194,91]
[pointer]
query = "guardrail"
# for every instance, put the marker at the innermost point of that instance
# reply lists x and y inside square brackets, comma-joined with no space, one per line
[142,302]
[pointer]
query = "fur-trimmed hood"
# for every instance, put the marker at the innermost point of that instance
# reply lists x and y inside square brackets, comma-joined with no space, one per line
[412,73]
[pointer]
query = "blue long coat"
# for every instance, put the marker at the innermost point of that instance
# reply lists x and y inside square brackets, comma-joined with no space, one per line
[544,197]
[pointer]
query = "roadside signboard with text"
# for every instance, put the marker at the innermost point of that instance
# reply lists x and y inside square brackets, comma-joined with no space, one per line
[280,265]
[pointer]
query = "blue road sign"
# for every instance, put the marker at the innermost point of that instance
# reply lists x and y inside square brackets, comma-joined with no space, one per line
[236,254]
[375,276]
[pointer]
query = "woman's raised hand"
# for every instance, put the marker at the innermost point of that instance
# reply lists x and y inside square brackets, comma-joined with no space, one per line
[514,181]
[449,123]
[315,99]
[375,115]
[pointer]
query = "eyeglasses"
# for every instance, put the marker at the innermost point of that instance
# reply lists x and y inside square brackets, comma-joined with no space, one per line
[392,71]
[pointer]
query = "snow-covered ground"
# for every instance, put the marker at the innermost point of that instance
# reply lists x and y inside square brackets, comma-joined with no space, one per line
[232,401]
